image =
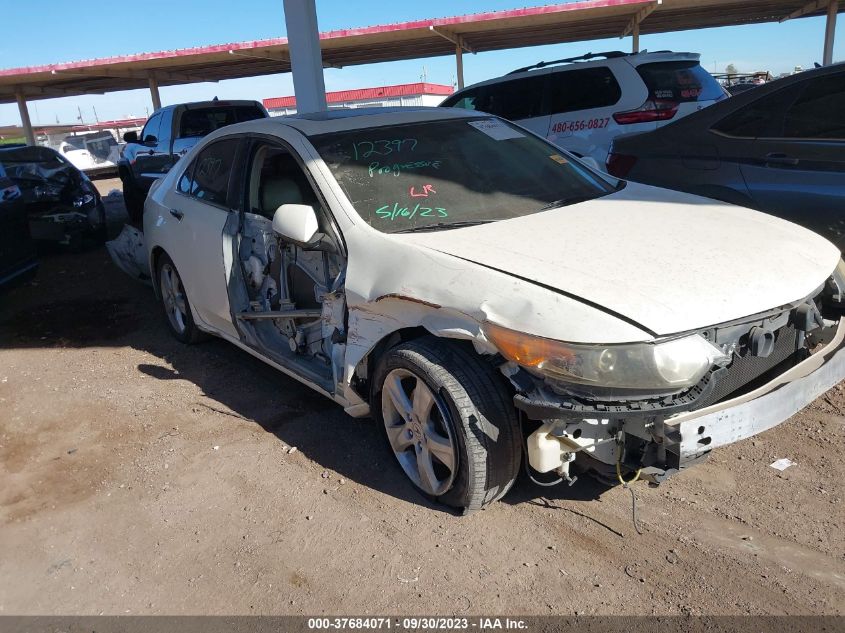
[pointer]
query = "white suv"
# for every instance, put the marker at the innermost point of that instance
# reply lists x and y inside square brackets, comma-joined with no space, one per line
[584,104]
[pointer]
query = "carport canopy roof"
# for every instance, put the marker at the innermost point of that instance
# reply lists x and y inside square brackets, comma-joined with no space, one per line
[479,32]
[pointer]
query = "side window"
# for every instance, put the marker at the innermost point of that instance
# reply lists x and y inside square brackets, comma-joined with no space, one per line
[468,100]
[760,118]
[212,170]
[165,126]
[276,179]
[184,184]
[582,89]
[151,128]
[515,99]
[819,113]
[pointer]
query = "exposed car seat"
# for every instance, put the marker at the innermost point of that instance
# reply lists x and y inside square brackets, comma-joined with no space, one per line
[278,191]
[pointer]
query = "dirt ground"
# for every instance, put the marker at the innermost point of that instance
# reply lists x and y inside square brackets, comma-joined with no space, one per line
[142,476]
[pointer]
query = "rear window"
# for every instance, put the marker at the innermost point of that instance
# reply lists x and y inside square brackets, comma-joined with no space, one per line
[203,121]
[679,81]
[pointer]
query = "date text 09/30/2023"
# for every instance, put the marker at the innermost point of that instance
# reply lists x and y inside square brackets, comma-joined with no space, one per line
[417,623]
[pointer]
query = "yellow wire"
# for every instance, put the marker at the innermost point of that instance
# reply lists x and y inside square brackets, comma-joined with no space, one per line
[619,473]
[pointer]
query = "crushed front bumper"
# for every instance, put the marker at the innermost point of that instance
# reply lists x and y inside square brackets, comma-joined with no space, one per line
[690,436]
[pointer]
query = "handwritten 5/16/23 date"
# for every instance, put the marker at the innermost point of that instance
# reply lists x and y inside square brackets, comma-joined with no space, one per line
[393,211]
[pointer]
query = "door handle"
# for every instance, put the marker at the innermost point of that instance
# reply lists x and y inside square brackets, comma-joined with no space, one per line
[176,213]
[781,159]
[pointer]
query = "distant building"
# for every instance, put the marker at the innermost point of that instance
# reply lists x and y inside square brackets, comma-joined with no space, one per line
[418,94]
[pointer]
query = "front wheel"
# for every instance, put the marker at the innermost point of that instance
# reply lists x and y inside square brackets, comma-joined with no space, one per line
[450,421]
[175,302]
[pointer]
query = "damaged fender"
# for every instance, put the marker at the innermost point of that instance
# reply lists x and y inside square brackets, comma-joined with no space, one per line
[390,287]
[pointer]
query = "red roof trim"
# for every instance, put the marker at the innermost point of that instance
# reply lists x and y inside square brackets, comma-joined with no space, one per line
[339,96]
[281,41]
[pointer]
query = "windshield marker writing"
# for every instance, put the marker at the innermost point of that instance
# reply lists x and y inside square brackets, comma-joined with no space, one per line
[383,147]
[396,168]
[426,189]
[391,212]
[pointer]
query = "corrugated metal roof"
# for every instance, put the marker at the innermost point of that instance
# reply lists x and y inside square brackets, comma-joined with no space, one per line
[360,94]
[479,32]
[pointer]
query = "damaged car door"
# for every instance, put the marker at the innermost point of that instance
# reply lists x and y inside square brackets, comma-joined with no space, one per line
[198,211]
[286,290]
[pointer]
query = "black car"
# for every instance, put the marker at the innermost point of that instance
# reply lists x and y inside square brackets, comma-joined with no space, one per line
[779,148]
[62,205]
[17,250]
[167,136]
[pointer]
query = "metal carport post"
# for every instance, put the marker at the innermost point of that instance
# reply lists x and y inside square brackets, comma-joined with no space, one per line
[154,94]
[830,25]
[25,120]
[305,57]
[830,32]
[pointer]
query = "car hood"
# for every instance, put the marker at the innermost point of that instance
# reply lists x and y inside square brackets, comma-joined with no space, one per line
[666,261]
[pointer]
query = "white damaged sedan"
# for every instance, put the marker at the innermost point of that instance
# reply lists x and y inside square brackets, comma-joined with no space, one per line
[489,299]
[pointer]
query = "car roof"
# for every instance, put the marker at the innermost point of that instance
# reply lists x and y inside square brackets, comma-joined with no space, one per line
[206,104]
[342,120]
[28,152]
[546,68]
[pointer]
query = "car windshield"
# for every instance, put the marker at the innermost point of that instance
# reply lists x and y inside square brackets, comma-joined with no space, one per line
[444,174]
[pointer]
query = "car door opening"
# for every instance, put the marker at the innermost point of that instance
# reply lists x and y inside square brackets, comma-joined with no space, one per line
[292,305]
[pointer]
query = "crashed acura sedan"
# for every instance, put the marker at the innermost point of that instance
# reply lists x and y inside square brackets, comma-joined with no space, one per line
[487,297]
[62,204]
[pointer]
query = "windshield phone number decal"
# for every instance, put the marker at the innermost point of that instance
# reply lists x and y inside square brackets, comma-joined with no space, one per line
[583,124]
[418,623]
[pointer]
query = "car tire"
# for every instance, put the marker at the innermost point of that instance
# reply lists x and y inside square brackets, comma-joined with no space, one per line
[470,408]
[174,300]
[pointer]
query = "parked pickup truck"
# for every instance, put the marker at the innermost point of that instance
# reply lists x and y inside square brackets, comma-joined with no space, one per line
[167,135]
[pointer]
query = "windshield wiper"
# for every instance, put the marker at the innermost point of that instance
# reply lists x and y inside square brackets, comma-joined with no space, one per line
[564,202]
[443,225]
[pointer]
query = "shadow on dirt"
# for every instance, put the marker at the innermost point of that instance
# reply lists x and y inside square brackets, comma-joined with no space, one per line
[83,300]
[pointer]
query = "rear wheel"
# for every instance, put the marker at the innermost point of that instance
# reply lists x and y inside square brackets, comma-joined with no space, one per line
[175,302]
[450,422]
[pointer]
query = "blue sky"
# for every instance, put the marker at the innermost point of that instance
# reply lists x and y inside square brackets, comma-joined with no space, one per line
[84,29]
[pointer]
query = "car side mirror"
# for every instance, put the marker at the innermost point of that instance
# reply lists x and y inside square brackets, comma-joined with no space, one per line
[296,223]
[149,138]
[130,137]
